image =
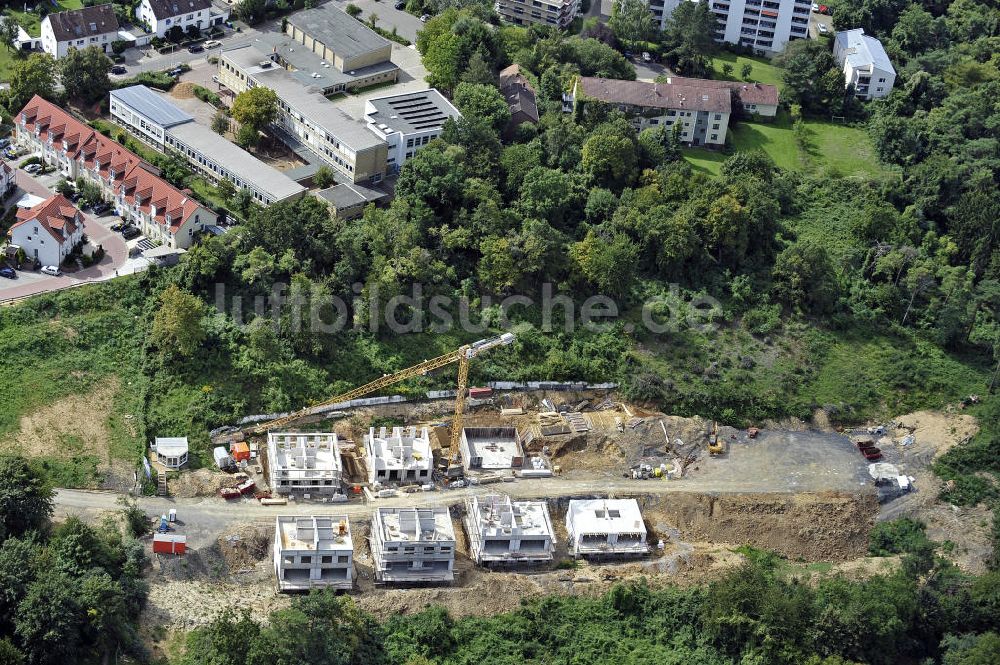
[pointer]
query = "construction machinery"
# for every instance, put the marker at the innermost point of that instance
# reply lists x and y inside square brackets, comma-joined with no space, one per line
[716,446]
[461,355]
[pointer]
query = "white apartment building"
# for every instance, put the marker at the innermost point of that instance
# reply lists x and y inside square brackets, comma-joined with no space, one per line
[402,455]
[313,552]
[155,120]
[78,29]
[304,463]
[605,527]
[866,65]
[48,231]
[163,15]
[413,545]
[765,25]
[407,122]
[557,13]
[702,110]
[505,531]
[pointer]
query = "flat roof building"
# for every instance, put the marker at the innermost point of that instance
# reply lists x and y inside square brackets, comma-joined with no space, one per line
[335,36]
[155,120]
[348,200]
[557,13]
[605,527]
[408,121]
[304,463]
[313,552]
[301,82]
[491,448]
[402,455]
[413,545]
[505,531]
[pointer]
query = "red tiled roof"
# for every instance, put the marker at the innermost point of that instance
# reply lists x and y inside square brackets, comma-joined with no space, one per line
[55,212]
[99,153]
[688,96]
[749,93]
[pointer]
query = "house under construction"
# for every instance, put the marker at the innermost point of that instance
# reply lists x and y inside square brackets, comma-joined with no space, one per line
[491,449]
[605,527]
[505,531]
[304,463]
[413,545]
[313,552]
[400,456]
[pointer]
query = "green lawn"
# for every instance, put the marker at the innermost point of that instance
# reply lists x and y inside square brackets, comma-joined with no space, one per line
[32,22]
[832,147]
[763,71]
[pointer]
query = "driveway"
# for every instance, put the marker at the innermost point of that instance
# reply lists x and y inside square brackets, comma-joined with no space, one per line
[30,283]
[407,25]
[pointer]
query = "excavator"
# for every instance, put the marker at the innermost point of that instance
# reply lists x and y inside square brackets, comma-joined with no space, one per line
[716,446]
[462,355]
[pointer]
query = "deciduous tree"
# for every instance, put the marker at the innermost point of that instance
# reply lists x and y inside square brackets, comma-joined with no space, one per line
[177,326]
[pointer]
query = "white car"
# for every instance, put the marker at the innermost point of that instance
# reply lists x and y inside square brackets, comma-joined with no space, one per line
[815,7]
[822,28]
[51,270]
[212,43]
[646,57]
[425,18]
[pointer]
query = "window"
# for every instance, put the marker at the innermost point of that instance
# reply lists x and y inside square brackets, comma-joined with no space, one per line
[715,137]
[715,126]
[881,81]
[326,559]
[342,558]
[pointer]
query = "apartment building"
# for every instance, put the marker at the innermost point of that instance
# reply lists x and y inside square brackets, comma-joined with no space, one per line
[155,120]
[402,455]
[165,214]
[163,15]
[413,545]
[701,110]
[304,463]
[865,63]
[408,122]
[764,25]
[505,531]
[300,81]
[79,28]
[755,98]
[605,527]
[313,552]
[557,13]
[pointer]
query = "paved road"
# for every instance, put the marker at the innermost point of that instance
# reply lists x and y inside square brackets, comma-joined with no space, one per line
[32,283]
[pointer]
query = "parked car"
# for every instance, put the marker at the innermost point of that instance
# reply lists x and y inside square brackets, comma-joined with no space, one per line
[117,227]
[815,6]
[130,232]
[627,54]
[213,43]
[823,29]
[175,72]
[8,273]
[646,57]
[73,196]
[425,18]
[195,48]
[400,5]
[51,270]
[119,70]
[32,168]
[4,143]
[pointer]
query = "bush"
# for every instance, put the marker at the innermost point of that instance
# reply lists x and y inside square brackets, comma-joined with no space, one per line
[762,320]
[207,96]
[902,536]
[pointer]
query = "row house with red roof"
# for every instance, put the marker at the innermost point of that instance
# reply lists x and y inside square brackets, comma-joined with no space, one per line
[162,212]
[48,231]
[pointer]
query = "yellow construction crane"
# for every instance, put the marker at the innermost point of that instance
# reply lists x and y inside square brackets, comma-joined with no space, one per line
[461,355]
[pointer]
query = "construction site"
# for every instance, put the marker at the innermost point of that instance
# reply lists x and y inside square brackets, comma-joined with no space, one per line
[477,497]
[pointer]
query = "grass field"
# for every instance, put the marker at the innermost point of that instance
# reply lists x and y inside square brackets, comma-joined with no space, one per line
[832,148]
[763,71]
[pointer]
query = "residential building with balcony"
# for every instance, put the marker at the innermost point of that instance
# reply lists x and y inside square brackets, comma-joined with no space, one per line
[557,13]
[701,110]
[304,463]
[505,531]
[413,545]
[48,231]
[79,28]
[766,26]
[163,15]
[605,527]
[165,214]
[865,63]
[313,552]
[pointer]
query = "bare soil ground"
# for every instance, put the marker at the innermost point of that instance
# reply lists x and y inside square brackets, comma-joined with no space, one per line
[968,528]
[183,91]
[202,482]
[73,426]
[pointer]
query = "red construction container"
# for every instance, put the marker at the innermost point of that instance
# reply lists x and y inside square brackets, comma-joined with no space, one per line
[169,543]
[239,451]
[480,393]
